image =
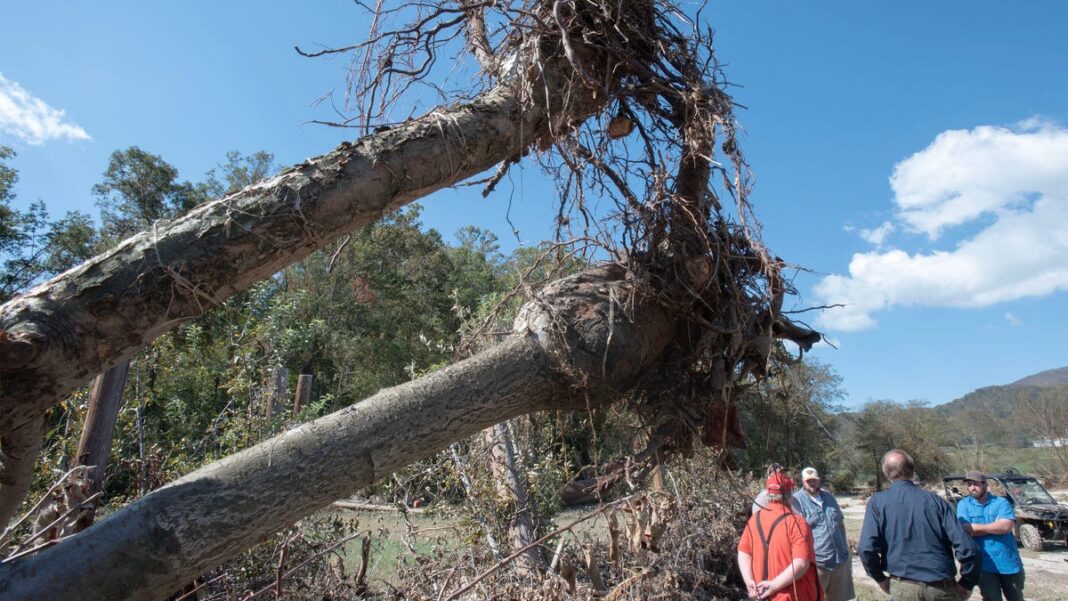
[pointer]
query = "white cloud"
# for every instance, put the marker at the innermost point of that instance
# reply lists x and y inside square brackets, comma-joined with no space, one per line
[877,236]
[965,174]
[1013,320]
[28,118]
[1015,175]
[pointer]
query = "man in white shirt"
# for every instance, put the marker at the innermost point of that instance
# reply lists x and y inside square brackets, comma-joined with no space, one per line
[833,562]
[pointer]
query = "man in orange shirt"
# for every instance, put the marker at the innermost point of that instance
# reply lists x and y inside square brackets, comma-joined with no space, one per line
[776,550]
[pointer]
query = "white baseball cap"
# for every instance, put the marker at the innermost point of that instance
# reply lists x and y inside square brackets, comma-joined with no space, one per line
[809,473]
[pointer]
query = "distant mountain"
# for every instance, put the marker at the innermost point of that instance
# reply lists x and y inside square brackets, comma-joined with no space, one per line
[1050,377]
[998,401]
[1001,401]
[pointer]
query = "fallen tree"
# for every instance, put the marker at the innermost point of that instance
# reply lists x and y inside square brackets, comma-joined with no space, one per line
[59,335]
[687,312]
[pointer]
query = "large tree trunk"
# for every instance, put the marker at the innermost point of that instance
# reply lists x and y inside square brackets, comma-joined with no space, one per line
[174,534]
[57,336]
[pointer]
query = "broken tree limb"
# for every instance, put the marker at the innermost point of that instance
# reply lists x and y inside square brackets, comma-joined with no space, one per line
[593,569]
[583,491]
[45,498]
[353,506]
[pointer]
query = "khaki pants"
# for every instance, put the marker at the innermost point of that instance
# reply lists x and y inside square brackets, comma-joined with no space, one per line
[838,583]
[911,591]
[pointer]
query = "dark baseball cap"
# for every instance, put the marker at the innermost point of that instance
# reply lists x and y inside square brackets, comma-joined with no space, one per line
[974,476]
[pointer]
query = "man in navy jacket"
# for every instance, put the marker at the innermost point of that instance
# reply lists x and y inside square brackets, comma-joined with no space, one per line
[909,539]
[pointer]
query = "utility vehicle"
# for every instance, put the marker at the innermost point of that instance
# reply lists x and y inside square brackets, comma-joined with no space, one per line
[1039,518]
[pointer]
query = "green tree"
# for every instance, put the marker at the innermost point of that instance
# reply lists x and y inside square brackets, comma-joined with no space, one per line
[789,417]
[193,393]
[476,269]
[139,188]
[32,247]
[70,241]
[8,178]
[912,427]
[237,172]
[375,312]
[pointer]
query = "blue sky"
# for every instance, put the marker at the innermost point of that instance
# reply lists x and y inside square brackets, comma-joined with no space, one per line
[912,156]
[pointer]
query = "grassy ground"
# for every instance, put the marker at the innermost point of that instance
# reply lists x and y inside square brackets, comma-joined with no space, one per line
[389,539]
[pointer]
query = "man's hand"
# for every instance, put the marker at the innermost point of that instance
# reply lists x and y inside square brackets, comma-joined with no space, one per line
[968,528]
[751,590]
[763,589]
[963,593]
[885,585]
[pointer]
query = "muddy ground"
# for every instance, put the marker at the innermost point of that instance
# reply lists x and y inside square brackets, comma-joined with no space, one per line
[1046,571]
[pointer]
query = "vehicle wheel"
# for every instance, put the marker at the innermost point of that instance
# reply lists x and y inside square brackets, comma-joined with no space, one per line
[1030,537]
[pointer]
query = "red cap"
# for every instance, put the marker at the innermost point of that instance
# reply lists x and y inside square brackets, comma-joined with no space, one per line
[780,484]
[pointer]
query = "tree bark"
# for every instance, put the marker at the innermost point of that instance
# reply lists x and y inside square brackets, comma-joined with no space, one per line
[512,490]
[60,334]
[174,534]
[98,432]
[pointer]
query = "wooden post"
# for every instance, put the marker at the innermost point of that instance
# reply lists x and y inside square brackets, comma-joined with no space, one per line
[304,383]
[95,443]
[592,569]
[276,398]
[511,489]
[658,478]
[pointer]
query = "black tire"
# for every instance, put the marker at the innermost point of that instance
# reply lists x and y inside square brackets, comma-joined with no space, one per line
[1030,537]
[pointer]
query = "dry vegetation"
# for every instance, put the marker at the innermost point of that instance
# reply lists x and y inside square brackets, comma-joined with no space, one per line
[675,544]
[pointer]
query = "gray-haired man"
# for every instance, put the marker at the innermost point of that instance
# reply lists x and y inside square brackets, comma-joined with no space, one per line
[761,500]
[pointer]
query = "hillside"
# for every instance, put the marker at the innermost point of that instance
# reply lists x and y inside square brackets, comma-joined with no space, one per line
[1050,377]
[1001,401]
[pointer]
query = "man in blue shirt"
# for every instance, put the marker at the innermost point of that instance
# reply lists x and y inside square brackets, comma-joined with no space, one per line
[833,564]
[913,534]
[990,520]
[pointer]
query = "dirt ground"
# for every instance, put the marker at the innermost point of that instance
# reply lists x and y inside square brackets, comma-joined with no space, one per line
[1046,571]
